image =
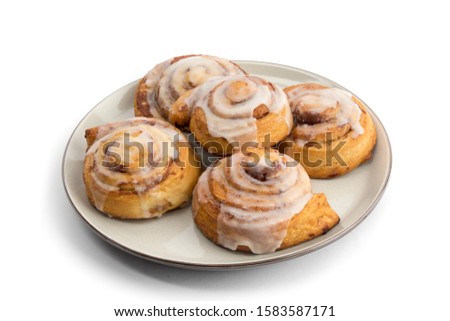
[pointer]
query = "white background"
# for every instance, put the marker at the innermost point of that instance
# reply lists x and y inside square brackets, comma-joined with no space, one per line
[58,59]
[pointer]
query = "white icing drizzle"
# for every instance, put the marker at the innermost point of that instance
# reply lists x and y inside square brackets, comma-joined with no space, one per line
[260,201]
[229,111]
[317,101]
[167,81]
[155,137]
[100,195]
[152,83]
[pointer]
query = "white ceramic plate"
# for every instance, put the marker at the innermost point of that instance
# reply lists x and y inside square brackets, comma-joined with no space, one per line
[173,239]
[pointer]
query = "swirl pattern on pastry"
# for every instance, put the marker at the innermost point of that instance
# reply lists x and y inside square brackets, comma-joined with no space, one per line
[138,168]
[328,119]
[318,109]
[169,80]
[235,110]
[248,202]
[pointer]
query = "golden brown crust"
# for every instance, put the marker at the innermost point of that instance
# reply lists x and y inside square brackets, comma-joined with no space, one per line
[179,112]
[152,101]
[316,218]
[271,127]
[214,145]
[220,146]
[334,152]
[306,86]
[145,93]
[261,208]
[90,135]
[271,124]
[141,106]
[123,191]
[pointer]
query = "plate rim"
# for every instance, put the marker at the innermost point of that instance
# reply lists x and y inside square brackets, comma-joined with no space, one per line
[243,265]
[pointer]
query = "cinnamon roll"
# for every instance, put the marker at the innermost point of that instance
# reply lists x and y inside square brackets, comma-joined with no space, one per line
[333,133]
[234,111]
[261,202]
[167,81]
[138,168]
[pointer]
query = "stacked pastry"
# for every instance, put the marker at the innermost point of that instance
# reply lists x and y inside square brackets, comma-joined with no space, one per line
[257,197]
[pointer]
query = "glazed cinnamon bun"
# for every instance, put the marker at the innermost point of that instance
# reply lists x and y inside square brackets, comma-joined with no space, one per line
[233,111]
[138,168]
[261,202]
[333,133]
[169,80]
